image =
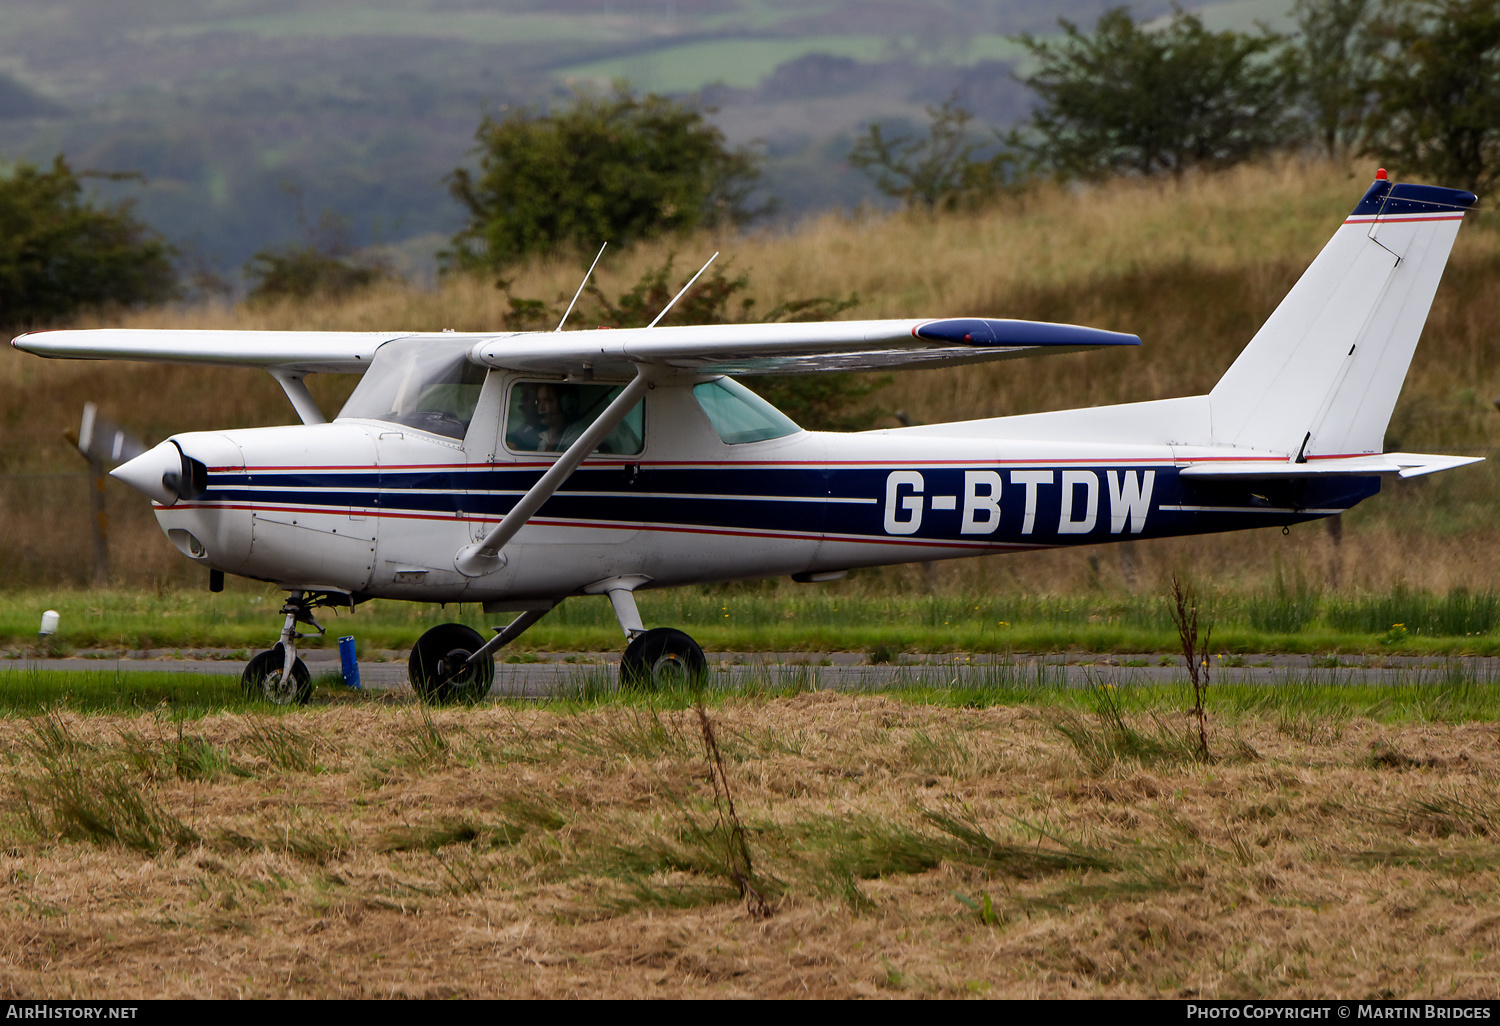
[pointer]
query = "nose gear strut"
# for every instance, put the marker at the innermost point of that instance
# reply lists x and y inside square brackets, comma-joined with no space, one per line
[297,610]
[278,675]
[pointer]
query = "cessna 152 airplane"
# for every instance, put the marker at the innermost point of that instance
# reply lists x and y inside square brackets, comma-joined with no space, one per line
[517,470]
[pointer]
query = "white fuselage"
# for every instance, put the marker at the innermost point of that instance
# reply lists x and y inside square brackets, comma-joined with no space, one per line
[375,508]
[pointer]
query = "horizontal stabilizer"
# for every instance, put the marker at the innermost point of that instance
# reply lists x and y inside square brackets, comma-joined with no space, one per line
[1402,464]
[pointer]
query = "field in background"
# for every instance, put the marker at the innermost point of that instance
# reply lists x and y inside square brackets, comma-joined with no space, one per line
[985,841]
[1192,267]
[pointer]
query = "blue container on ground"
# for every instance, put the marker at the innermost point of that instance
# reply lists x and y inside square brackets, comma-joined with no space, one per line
[350,665]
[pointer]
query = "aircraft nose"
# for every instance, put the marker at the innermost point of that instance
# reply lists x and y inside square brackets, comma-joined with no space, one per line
[165,474]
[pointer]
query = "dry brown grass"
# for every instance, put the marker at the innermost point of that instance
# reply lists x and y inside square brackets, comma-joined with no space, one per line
[529,853]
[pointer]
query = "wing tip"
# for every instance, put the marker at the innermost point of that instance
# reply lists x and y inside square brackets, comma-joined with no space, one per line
[994,331]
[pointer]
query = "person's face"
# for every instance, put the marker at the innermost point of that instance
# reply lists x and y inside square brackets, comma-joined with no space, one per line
[549,406]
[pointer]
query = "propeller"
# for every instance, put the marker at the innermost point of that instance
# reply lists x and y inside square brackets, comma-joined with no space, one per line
[164,472]
[101,440]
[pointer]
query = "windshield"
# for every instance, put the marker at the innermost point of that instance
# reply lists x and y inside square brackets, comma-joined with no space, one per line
[738,414]
[423,384]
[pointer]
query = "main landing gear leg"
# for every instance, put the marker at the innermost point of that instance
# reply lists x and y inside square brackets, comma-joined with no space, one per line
[654,659]
[278,676]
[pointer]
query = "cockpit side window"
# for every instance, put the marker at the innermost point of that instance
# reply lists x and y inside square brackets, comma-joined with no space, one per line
[739,415]
[431,386]
[549,416]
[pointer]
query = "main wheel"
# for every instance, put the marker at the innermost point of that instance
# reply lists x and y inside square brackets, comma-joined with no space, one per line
[439,666]
[662,658]
[263,679]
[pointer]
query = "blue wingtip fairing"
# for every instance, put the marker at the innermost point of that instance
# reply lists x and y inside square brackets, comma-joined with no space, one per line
[1388,198]
[990,331]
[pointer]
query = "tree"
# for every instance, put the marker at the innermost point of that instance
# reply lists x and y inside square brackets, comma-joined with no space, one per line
[613,168]
[1144,101]
[1437,91]
[947,168]
[59,252]
[1336,65]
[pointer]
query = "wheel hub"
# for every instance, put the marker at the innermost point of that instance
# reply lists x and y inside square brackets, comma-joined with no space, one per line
[670,670]
[455,668]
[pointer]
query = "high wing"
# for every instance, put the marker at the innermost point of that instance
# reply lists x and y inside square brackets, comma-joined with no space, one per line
[303,352]
[793,348]
[712,349]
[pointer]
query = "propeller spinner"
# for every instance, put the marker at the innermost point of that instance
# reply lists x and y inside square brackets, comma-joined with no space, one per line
[165,474]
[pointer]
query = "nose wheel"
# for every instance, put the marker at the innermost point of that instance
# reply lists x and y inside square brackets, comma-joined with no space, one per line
[440,668]
[265,678]
[278,676]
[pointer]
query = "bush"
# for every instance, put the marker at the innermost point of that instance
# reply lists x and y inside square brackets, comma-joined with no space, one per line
[611,169]
[946,169]
[59,252]
[325,265]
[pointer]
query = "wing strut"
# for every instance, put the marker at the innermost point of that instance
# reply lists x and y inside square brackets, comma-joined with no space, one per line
[292,383]
[484,556]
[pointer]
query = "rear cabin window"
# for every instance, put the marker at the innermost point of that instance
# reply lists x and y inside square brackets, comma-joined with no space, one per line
[739,415]
[431,386]
[548,416]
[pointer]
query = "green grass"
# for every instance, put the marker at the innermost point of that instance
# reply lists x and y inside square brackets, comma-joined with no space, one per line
[1309,704]
[30,690]
[783,619]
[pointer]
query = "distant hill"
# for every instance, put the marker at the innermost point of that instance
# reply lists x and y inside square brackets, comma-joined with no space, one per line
[252,118]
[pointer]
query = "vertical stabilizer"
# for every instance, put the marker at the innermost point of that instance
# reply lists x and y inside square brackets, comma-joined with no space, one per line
[1322,375]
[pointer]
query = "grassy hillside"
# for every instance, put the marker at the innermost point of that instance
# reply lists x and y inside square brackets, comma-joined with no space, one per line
[1193,268]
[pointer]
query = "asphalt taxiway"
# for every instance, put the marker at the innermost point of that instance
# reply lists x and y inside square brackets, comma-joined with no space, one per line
[552,674]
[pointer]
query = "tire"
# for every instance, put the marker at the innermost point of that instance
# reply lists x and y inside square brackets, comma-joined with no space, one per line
[662,658]
[262,679]
[437,666]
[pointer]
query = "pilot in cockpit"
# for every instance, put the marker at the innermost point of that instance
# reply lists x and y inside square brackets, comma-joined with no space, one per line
[548,424]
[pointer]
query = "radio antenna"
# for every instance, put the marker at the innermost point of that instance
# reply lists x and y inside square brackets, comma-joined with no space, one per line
[683,292]
[580,289]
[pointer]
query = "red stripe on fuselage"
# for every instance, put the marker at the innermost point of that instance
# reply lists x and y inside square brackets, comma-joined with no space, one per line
[615,525]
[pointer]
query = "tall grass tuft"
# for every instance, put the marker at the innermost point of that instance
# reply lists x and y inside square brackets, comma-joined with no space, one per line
[283,746]
[1286,608]
[1110,738]
[187,757]
[1459,613]
[1474,812]
[83,794]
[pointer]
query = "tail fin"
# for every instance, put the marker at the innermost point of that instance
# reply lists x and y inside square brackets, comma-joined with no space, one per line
[1322,375]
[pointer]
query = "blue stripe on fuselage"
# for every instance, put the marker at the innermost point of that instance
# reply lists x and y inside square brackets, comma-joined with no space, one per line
[980,504]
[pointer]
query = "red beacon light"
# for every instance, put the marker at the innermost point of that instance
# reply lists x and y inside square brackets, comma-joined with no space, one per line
[1380,174]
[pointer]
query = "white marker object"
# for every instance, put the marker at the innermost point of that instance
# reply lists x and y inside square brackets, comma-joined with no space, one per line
[49,623]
